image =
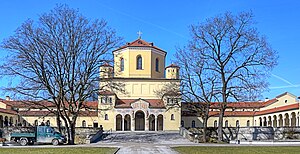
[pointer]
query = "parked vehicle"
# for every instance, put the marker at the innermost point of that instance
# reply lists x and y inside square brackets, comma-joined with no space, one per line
[39,134]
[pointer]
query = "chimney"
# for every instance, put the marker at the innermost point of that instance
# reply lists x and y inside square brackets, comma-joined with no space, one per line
[266,99]
[7,98]
[151,43]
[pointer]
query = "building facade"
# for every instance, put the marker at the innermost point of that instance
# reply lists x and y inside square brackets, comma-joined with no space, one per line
[136,95]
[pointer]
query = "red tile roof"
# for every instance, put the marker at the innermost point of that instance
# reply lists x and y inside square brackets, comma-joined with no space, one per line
[173,65]
[140,43]
[106,92]
[41,104]
[251,113]
[48,113]
[153,103]
[8,111]
[233,113]
[279,109]
[106,64]
[214,105]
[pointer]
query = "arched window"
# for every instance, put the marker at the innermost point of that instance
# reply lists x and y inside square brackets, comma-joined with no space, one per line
[226,123]
[172,117]
[83,123]
[122,64]
[106,117]
[237,123]
[215,123]
[156,65]
[95,124]
[48,123]
[248,123]
[139,62]
[193,124]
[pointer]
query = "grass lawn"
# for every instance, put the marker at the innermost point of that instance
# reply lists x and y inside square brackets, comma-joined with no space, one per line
[81,150]
[239,150]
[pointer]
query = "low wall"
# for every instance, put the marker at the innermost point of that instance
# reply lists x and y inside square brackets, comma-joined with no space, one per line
[80,136]
[247,133]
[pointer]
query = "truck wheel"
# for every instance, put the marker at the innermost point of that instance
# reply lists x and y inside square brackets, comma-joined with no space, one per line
[23,141]
[55,142]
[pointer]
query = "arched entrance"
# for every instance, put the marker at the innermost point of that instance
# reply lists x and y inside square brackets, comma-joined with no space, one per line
[1,121]
[160,121]
[286,120]
[275,121]
[280,120]
[127,122]
[119,122]
[151,122]
[139,120]
[293,119]
[5,121]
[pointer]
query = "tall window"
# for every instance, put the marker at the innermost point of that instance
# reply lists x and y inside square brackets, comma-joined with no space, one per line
[248,123]
[83,123]
[172,117]
[237,123]
[139,62]
[182,123]
[106,117]
[193,124]
[226,123]
[156,65]
[122,64]
[215,123]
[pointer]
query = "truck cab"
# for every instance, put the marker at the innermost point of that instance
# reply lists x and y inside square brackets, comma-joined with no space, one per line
[46,134]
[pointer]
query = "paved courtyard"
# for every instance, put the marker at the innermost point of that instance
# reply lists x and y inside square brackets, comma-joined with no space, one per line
[145,142]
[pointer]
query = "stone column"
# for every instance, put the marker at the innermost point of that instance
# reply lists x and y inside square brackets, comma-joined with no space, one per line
[123,121]
[132,123]
[283,121]
[155,123]
[147,124]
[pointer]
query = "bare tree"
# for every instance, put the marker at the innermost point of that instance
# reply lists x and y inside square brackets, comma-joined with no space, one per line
[230,61]
[58,59]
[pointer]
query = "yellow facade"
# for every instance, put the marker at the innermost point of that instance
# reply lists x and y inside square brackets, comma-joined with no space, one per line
[140,68]
[139,108]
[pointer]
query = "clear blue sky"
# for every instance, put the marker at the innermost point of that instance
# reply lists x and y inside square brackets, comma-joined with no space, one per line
[166,24]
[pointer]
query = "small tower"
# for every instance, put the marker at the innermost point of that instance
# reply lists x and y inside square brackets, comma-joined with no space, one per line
[172,71]
[106,71]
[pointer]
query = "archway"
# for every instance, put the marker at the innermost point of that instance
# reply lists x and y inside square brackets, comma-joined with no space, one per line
[119,122]
[127,122]
[6,121]
[293,119]
[1,121]
[260,121]
[265,121]
[160,123]
[280,120]
[151,122]
[139,120]
[286,120]
[269,121]
[274,121]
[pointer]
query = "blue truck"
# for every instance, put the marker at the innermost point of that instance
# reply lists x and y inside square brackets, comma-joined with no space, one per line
[39,134]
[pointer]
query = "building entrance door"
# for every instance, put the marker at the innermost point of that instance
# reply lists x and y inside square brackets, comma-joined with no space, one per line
[139,121]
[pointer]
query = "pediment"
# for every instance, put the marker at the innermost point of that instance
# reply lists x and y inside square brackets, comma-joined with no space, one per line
[140,104]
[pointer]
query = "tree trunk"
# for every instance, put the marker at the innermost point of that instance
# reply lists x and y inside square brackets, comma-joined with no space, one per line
[58,122]
[205,137]
[220,125]
[71,139]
